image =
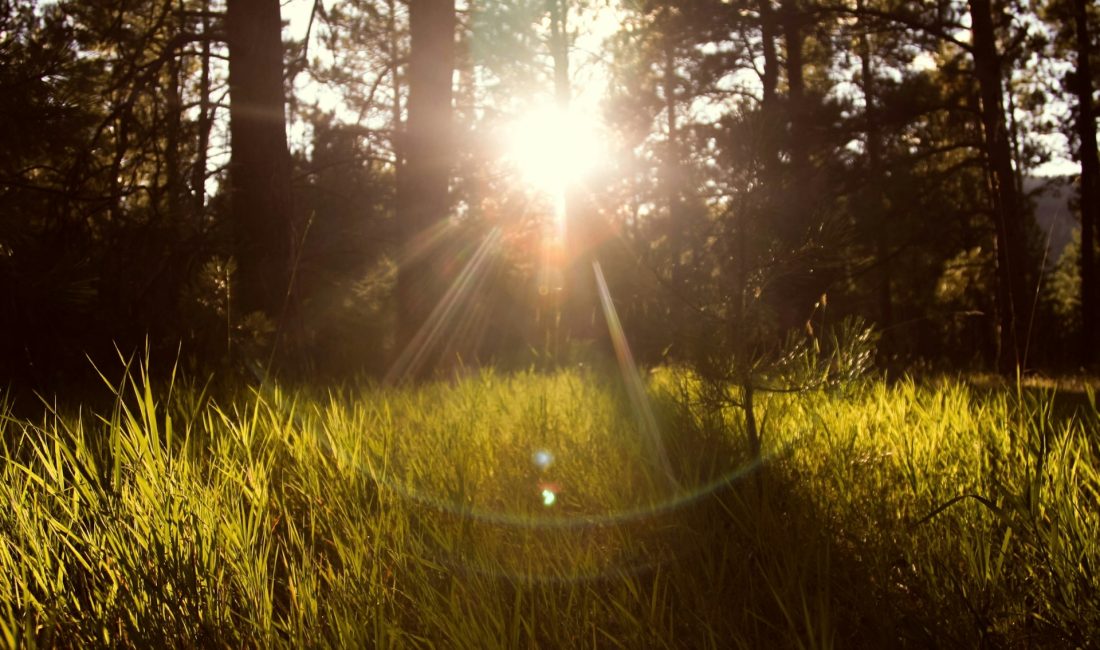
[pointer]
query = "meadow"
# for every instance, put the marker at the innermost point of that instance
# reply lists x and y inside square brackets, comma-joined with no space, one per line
[533,510]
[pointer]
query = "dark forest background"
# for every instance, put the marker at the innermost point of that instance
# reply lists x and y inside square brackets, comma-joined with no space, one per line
[776,167]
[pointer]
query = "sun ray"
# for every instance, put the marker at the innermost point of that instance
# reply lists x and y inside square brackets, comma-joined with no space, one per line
[423,242]
[468,281]
[635,390]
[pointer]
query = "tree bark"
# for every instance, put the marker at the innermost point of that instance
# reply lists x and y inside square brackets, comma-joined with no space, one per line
[770,77]
[559,51]
[874,179]
[796,89]
[422,189]
[259,168]
[1013,305]
[395,79]
[175,183]
[672,158]
[205,123]
[1090,186]
[769,81]
[672,176]
[794,293]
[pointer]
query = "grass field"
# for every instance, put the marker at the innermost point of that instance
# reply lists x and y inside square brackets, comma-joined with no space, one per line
[545,510]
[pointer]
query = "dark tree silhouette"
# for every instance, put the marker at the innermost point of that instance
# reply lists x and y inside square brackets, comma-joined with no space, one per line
[1090,184]
[259,173]
[422,185]
[1008,215]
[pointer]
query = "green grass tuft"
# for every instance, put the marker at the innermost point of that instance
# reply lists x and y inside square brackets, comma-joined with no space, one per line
[886,516]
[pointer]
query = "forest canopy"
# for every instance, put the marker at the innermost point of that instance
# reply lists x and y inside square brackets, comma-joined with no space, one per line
[400,188]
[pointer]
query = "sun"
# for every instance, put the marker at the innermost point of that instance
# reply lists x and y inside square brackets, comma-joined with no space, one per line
[555,149]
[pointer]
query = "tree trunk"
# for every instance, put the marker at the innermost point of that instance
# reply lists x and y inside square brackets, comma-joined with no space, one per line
[1090,187]
[205,123]
[259,168]
[422,189]
[769,80]
[395,79]
[874,179]
[672,176]
[796,90]
[579,305]
[770,77]
[559,51]
[672,158]
[1013,305]
[175,183]
[794,293]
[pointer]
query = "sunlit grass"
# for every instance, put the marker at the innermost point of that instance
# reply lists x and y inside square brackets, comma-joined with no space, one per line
[404,517]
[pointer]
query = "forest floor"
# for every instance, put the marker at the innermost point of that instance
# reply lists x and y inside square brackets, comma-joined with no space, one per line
[558,511]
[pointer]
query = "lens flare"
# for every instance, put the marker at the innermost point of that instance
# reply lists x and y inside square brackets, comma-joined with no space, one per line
[647,423]
[549,492]
[468,283]
[542,458]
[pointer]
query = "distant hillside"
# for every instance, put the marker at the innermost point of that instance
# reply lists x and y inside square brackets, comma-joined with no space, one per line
[1053,212]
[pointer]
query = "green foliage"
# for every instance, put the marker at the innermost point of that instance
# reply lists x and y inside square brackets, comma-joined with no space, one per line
[836,358]
[1064,286]
[892,515]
